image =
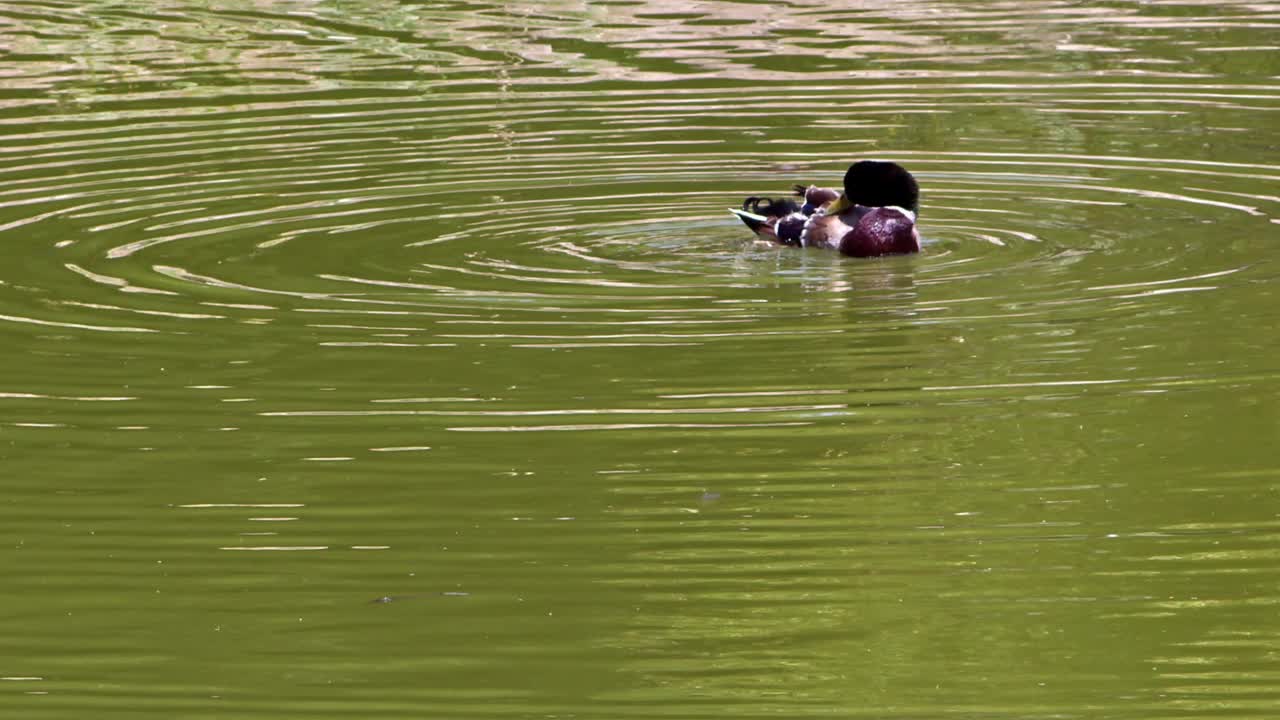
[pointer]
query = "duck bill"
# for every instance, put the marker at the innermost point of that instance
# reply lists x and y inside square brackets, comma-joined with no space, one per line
[840,205]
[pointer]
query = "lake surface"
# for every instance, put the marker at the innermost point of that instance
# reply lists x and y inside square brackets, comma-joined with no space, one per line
[400,360]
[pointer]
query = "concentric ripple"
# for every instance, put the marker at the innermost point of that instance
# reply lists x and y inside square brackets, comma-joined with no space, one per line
[450,288]
[496,177]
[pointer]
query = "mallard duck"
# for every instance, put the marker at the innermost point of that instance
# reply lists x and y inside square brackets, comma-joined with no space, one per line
[875,215]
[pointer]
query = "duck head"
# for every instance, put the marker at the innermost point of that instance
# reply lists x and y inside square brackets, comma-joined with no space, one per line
[885,199]
[875,183]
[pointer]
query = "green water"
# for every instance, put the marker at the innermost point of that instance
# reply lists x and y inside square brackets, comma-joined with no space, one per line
[401,361]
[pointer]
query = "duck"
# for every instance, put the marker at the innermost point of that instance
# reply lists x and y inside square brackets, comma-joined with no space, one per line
[874,215]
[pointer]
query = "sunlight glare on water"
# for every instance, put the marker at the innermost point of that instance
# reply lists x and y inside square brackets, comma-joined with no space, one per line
[401,360]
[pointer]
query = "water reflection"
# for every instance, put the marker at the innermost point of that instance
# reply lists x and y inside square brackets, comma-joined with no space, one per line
[311,303]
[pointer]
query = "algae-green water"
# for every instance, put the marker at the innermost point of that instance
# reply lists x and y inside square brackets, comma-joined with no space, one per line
[399,360]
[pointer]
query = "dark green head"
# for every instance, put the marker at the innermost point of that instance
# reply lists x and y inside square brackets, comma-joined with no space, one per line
[875,183]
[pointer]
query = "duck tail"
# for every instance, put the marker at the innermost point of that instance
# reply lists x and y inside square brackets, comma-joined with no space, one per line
[770,207]
[759,224]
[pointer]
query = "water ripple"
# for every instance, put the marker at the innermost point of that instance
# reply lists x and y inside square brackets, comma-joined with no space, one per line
[328,259]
